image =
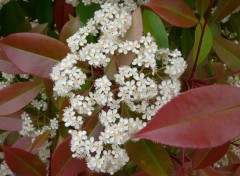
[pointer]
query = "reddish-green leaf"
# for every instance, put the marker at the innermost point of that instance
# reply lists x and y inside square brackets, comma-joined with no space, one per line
[34,54]
[40,29]
[199,118]
[152,158]
[6,66]
[69,29]
[16,96]
[228,52]
[176,12]
[206,43]
[136,30]
[11,122]
[134,33]
[61,13]
[206,157]
[224,8]
[23,163]
[40,141]
[63,163]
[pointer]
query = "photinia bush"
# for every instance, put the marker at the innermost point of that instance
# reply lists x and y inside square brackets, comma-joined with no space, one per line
[119,87]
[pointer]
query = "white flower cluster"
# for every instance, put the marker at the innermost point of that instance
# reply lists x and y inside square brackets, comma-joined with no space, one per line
[40,103]
[4,170]
[8,79]
[28,128]
[124,104]
[3,2]
[234,80]
[129,4]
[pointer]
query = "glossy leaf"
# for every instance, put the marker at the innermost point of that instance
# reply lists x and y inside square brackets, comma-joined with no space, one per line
[11,122]
[206,44]
[202,6]
[63,163]
[228,52]
[136,30]
[228,170]
[18,95]
[234,21]
[206,157]
[224,8]
[209,171]
[34,54]
[44,11]
[86,12]
[69,29]
[61,13]
[134,33]
[153,24]
[187,41]
[175,12]
[12,19]
[23,163]
[152,158]
[40,29]
[237,172]
[6,66]
[40,141]
[188,119]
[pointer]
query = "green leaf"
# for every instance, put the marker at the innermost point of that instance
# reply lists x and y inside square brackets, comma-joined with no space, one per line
[234,21]
[202,6]
[86,12]
[151,157]
[228,52]
[12,19]
[44,11]
[153,24]
[205,46]
[187,41]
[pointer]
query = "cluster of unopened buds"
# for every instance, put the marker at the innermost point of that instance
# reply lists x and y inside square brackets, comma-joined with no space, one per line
[123,100]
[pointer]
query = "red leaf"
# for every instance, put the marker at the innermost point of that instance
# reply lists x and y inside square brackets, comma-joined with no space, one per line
[237,173]
[11,122]
[200,118]
[70,28]
[16,96]
[228,170]
[63,163]
[34,54]
[61,12]
[6,66]
[23,163]
[206,157]
[176,12]
[23,143]
[224,8]
[209,171]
